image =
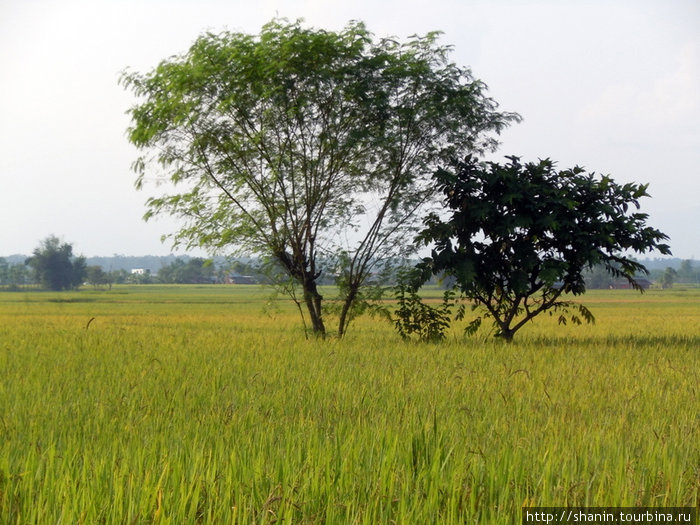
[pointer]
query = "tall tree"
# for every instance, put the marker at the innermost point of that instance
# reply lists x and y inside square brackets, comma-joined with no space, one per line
[686,272]
[306,145]
[55,266]
[518,237]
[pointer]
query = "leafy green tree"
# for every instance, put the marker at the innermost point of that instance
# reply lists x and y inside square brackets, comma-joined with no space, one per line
[297,144]
[18,275]
[414,317]
[55,267]
[519,237]
[668,277]
[687,273]
[118,276]
[168,274]
[97,277]
[685,270]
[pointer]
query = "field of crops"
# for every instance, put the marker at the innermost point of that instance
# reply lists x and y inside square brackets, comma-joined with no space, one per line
[208,405]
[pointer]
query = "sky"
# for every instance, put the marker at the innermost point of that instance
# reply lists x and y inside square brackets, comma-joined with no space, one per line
[613,86]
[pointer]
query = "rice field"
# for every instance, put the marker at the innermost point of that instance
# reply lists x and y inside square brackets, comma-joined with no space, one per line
[188,404]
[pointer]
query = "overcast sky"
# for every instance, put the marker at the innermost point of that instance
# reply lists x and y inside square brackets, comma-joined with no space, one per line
[613,86]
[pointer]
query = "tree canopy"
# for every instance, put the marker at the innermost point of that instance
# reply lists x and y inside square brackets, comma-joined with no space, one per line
[55,266]
[193,271]
[96,276]
[305,145]
[518,237]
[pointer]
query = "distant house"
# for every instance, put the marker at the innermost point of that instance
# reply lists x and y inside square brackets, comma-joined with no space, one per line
[643,283]
[140,271]
[240,279]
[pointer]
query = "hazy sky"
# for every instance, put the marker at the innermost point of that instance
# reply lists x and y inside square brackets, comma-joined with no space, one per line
[613,86]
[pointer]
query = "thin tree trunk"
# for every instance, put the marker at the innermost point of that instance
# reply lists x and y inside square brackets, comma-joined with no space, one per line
[345,311]
[507,333]
[313,301]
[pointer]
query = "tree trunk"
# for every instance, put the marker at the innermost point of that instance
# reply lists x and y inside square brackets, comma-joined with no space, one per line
[313,301]
[507,336]
[344,320]
[506,332]
[297,269]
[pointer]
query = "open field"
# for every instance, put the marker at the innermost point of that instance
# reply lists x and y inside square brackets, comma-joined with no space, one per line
[187,404]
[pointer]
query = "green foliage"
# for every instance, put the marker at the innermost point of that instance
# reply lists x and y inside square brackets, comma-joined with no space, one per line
[12,276]
[520,236]
[55,267]
[97,277]
[193,271]
[276,143]
[354,300]
[415,317]
[668,277]
[688,273]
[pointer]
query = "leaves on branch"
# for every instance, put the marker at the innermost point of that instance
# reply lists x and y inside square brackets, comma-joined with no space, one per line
[518,237]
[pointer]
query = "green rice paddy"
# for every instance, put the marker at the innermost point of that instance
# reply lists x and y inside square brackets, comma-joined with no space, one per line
[186,404]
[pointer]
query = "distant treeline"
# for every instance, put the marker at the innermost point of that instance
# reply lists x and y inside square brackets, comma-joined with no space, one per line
[184,269]
[153,263]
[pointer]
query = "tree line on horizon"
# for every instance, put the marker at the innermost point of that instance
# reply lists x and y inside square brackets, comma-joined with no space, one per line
[53,261]
[53,266]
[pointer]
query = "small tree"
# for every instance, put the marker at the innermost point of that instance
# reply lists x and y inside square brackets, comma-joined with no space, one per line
[668,277]
[18,275]
[518,237]
[413,316]
[4,271]
[97,277]
[55,267]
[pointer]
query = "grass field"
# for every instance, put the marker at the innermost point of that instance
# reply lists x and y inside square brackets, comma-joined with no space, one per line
[193,404]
